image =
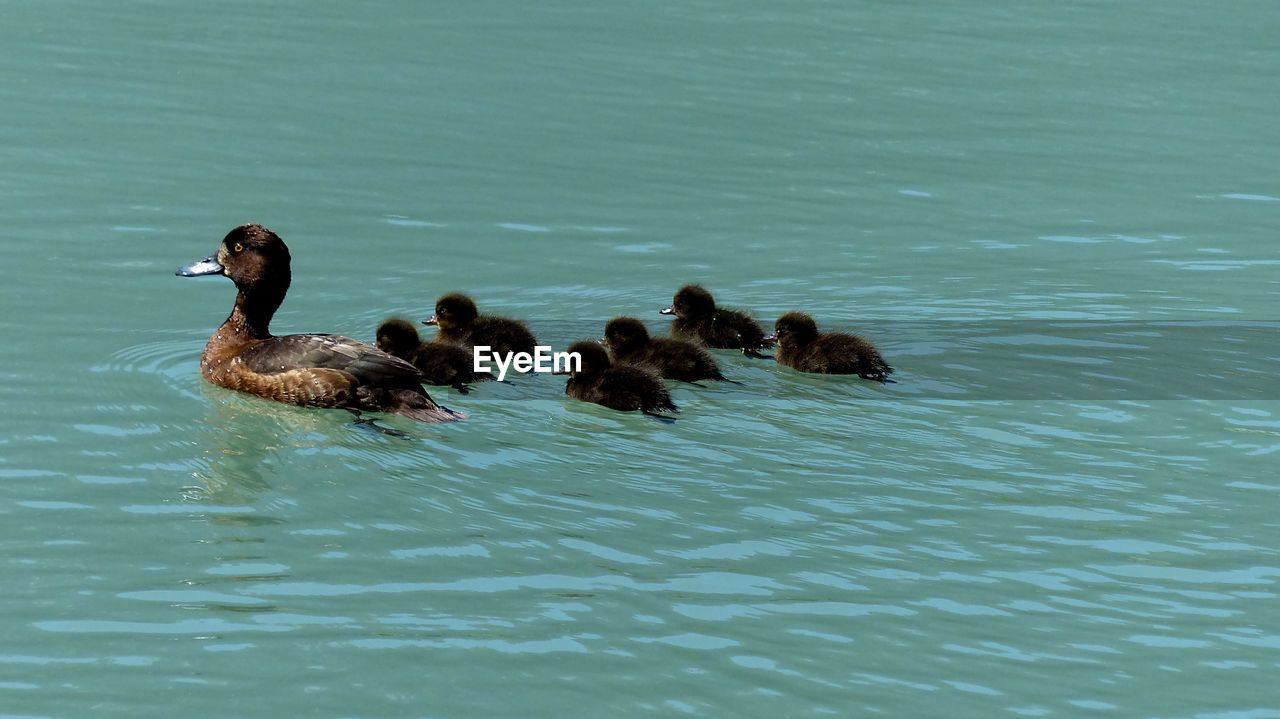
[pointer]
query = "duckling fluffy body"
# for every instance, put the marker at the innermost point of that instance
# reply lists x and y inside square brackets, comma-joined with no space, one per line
[802,347]
[440,363]
[461,323]
[312,370]
[697,318]
[626,388]
[629,343]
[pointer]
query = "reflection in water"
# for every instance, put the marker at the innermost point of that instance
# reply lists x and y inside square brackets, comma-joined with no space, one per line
[239,435]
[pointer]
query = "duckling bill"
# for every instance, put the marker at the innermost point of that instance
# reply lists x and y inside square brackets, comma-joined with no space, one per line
[802,347]
[626,388]
[699,319]
[310,370]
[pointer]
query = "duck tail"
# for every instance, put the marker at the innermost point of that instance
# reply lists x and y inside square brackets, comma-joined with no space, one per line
[880,371]
[429,412]
[661,409]
[664,405]
[416,404]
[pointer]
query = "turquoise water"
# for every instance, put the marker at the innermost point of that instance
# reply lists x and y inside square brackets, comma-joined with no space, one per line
[996,535]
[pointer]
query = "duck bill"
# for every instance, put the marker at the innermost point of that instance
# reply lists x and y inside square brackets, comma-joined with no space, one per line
[207,266]
[667,311]
[771,338]
[432,320]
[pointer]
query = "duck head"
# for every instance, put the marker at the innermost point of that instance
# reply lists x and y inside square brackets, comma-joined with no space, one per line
[691,302]
[592,357]
[624,335]
[794,329]
[252,256]
[398,337]
[453,311]
[257,260]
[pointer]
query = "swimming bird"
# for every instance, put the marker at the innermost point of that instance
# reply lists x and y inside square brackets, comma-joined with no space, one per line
[440,363]
[311,370]
[626,388]
[461,323]
[802,347]
[629,343]
[698,318]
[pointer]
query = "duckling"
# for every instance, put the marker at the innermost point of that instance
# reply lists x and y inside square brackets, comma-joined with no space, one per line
[622,387]
[629,343]
[461,323]
[440,363]
[697,318]
[802,347]
[311,370]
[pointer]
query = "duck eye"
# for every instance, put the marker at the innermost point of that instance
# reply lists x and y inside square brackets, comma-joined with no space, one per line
[238,248]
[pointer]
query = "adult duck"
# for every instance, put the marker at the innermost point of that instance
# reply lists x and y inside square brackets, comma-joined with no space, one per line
[311,370]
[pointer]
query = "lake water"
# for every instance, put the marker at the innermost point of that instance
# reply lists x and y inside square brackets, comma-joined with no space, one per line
[1058,221]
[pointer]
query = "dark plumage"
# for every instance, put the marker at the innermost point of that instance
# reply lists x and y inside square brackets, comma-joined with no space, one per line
[313,370]
[622,387]
[629,343]
[697,318]
[439,362]
[802,347]
[461,323]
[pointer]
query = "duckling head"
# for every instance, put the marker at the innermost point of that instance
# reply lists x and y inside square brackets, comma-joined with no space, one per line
[691,302]
[453,311]
[398,337]
[794,329]
[624,335]
[592,357]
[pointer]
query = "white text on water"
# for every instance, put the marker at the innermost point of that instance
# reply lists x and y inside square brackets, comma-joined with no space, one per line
[541,360]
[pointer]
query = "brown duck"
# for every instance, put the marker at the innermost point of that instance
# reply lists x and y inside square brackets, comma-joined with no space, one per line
[312,370]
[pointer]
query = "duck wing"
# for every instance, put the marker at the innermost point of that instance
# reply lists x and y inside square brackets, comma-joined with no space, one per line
[368,364]
[502,335]
[628,388]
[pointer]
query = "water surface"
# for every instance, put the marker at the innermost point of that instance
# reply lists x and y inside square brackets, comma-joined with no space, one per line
[1024,525]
